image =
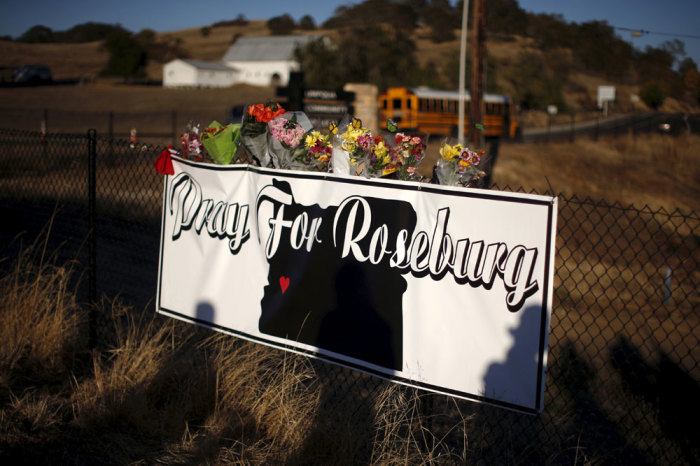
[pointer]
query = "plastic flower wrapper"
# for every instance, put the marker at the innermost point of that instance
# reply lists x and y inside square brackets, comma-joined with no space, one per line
[286,133]
[315,153]
[254,130]
[458,165]
[407,153]
[350,142]
[191,142]
[221,142]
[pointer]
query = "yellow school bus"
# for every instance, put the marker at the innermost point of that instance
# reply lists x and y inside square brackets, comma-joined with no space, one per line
[432,111]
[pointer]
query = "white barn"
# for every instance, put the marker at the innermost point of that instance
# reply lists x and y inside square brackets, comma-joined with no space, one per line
[197,73]
[266,60]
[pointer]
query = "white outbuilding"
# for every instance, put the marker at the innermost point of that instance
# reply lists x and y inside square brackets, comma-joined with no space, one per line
[197,73]
[259,61]
[267,60]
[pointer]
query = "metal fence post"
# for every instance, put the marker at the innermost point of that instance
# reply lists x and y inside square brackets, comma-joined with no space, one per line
[597,128]
[92,238]
[573,127]
[111,157]
[173,126]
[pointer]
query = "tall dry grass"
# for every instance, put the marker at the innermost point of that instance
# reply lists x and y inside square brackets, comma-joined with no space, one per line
[158,391]
[645,169]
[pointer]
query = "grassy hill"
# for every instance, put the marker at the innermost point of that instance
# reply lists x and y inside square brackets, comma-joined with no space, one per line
[85,61]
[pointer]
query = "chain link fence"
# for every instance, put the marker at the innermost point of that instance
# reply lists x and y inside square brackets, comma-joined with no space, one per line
[623,371]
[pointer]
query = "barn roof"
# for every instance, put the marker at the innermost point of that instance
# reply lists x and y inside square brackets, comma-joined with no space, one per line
[425,93]
[209,65]
[267,48]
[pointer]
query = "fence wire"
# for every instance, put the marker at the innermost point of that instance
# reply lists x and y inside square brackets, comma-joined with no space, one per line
[623,370]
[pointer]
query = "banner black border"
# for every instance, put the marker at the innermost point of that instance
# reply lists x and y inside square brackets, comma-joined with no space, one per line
[548,202]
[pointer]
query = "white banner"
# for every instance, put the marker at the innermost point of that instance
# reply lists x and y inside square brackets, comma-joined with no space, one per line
[446,289]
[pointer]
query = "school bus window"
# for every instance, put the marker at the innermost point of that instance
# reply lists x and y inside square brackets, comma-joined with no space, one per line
[384,102]
[408,104]
[396,104]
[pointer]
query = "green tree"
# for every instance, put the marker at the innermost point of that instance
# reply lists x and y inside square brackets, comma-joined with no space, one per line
[307,23]
[399,15]
[655,65]
[442,20]
[675,48]
[281,25]
[37,34]
[87,32]
[599,50]
[652,95]
[535,84]
[127,56]
[318,60]
[376,54]
[504,16]
[688,71]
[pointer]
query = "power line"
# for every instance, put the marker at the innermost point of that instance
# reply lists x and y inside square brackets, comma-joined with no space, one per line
[643,31]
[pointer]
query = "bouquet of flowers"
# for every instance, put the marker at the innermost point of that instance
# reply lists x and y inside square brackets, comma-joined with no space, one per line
[191,142]
[406,155]
[458,165]
[355,150]
[347,153]
[316,152]
[286,132]
[379,157]
[254,130]
[221,142]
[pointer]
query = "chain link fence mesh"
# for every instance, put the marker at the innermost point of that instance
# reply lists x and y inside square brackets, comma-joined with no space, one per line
[623,370]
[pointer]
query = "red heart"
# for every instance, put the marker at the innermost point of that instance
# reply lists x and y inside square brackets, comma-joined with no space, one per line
[284,283]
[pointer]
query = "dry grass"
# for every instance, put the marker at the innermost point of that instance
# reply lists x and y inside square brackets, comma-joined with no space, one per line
[653,170]
[67,61]
[138,99]
[41,343]
[158,391]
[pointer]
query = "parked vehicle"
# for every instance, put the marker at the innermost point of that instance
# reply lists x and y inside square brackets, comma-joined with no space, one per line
[32,74]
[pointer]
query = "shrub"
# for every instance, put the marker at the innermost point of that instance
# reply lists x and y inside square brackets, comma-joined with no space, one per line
[652,95]
[281,25]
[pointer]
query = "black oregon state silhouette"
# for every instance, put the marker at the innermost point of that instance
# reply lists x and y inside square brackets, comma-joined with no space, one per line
[339,304]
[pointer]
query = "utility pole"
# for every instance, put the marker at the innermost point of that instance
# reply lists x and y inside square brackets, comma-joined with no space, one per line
[477,87]
[462,73]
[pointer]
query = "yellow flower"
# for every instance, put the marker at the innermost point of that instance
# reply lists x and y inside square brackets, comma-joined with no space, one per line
[448,152]
[382,152]
[464,163]
[323,159]
[311,138]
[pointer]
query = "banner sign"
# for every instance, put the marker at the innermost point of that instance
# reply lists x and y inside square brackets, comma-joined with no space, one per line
[446,289]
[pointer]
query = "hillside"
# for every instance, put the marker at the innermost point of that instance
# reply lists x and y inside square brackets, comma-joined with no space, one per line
[84,62]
